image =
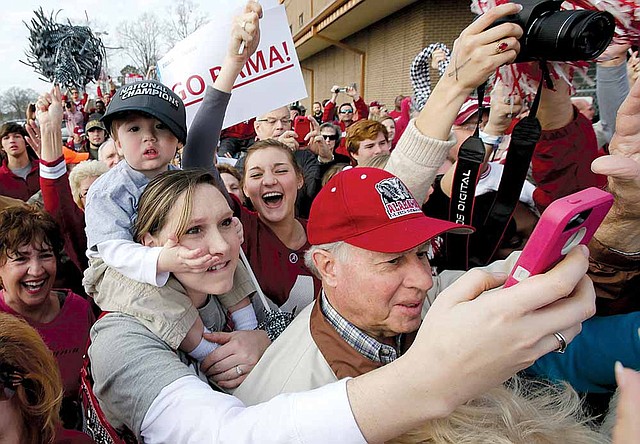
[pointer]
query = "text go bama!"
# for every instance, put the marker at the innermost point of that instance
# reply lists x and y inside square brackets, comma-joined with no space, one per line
[263,63]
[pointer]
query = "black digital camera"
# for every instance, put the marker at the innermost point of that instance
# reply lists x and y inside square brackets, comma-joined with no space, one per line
[555,35]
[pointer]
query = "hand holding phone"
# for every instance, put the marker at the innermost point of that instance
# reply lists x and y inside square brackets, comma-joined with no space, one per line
[302,127]
[567,222]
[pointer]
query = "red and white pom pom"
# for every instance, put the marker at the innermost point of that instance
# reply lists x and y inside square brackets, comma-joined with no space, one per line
[626,13]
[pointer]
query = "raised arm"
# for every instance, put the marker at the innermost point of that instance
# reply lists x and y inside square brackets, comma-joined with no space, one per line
[612,87]
[562,158]
[615,259]
[424,145]
[54,181]
[204,133]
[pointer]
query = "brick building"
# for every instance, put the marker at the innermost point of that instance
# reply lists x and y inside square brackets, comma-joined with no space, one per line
[369,42]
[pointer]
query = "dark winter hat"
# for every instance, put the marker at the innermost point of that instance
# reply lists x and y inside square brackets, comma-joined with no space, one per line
[153,98]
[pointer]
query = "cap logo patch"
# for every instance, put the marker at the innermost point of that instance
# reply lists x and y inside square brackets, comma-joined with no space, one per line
[150,89]
[396,198]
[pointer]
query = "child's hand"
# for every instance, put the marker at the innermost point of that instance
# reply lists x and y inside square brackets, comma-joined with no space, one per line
[239,228]
[175,258]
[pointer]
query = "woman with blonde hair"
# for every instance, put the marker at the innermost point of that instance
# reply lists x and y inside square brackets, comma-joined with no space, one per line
[30,387]
[81,178]
[520,412]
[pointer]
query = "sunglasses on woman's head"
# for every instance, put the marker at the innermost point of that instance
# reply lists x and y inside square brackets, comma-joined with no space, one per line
[10,379]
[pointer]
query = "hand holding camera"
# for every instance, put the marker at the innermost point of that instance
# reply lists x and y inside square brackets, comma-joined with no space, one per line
[483,47]
[349,90]
[555,35]
[352,91]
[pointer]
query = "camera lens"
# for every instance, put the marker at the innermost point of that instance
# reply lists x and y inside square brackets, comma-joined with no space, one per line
[593,35]
[570,35]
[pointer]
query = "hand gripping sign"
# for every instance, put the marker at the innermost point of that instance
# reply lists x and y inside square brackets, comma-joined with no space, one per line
[270,78]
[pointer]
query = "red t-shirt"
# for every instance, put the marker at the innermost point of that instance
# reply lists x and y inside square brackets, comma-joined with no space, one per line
[281,272]
[66,336]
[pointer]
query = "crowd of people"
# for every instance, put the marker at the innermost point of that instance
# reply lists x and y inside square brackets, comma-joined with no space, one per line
[296,278]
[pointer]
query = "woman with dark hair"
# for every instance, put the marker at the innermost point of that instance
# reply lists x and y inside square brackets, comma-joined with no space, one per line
[30,246]
[275,239]
[19,173]
[232,180]
[332,135]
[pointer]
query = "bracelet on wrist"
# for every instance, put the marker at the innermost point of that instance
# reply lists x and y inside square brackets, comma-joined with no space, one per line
[490,139]
[327,161]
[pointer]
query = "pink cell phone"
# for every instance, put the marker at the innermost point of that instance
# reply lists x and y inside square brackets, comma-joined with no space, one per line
[567,222]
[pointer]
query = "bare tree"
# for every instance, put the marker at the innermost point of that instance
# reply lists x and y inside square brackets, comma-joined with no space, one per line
[14,101]
[141,39]
[184,18]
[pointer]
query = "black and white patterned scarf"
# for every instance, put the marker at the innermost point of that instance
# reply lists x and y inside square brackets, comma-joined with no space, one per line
[420,75]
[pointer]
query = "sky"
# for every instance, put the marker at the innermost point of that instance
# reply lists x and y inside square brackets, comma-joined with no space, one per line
[106,14]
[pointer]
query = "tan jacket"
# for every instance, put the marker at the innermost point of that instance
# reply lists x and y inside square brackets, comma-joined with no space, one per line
[294,363]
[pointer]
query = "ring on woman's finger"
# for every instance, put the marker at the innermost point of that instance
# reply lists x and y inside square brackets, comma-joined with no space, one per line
[562,342]
[239,370]
[244,26]
[501,47]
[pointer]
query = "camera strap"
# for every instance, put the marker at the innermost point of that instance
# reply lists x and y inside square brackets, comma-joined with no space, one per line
[463,191]
[524,138]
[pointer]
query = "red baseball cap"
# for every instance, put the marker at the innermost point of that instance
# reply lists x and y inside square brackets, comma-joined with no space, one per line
[376,103]
[469,108]
[372,209]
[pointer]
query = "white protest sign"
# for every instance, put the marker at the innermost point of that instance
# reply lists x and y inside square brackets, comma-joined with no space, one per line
[271,78]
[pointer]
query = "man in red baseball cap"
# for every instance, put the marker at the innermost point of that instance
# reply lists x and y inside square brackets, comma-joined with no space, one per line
[370,246]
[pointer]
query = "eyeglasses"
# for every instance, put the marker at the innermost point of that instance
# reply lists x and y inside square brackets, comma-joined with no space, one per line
[273,120]
[346,111]
[10,379]
[330,136]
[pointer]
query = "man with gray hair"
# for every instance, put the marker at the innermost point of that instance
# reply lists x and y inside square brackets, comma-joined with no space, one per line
[370,243]
[108,153]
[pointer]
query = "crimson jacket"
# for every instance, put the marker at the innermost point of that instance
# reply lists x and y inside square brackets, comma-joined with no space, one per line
[561,163]
[243,130]
[59,203]
[16,187]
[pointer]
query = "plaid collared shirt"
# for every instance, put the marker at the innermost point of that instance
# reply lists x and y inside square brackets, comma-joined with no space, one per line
[356,338]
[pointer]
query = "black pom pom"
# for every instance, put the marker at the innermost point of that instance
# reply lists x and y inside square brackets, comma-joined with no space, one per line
[63,53]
